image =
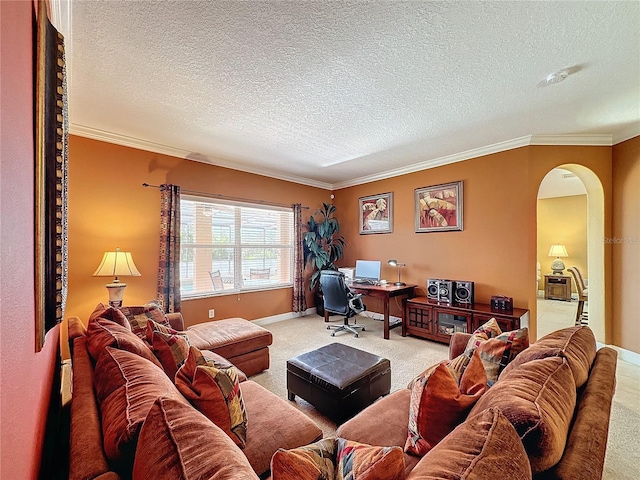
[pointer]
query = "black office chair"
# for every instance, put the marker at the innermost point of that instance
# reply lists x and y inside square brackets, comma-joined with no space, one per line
[340,300]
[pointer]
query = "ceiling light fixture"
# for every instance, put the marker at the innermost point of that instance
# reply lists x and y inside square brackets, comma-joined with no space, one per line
[556,77]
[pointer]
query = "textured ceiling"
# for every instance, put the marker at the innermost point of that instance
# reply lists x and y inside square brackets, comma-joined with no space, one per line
[336,93]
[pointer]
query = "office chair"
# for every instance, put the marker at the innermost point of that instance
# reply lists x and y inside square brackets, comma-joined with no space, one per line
[340,300]
[582,317]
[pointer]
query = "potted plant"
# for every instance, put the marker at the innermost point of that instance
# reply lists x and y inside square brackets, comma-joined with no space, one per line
[323,247]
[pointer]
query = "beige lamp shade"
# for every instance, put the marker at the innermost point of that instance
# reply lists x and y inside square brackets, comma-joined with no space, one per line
[558,251]
[116,264]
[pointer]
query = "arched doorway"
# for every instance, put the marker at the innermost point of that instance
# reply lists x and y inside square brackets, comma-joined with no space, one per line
[595,246]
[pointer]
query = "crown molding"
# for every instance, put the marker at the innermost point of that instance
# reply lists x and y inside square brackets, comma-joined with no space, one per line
[126,141]
[627,134]
[586,140]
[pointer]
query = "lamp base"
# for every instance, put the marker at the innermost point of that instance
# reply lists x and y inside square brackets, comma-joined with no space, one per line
[399,284]
[557,266]
[116,293]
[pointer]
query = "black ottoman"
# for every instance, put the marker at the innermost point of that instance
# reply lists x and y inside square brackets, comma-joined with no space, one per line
[338,380]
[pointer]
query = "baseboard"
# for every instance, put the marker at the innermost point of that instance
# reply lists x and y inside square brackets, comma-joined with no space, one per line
[284,316]
[626,355]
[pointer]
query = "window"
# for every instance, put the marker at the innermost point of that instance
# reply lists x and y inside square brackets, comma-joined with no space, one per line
[229,247]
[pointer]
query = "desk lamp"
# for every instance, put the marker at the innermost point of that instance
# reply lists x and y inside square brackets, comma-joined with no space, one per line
[558,251]
[116,264]
[394,263]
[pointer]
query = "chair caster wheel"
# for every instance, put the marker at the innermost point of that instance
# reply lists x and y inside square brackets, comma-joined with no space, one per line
[328,328]
[356,335]
[333,334]
[363,329]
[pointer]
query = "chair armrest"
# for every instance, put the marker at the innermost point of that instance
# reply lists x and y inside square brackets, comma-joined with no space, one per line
[457,344]
[176,321]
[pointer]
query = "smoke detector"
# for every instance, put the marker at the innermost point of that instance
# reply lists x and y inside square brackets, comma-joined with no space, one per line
[556,77]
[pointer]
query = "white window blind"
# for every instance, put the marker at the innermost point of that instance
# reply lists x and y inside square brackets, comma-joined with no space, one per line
[229,247]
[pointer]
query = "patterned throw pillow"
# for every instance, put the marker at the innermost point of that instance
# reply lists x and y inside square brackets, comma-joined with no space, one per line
[216,393]
[338,459]
[496,349]
[439,404]
[170,346]
[139,315]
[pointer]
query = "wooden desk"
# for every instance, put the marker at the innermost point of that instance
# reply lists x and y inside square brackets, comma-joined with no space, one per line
[385,293]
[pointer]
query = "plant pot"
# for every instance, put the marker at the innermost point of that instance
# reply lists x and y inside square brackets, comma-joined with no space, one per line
[318,300]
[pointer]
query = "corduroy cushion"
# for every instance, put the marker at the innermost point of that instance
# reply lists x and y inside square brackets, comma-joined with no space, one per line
[339,459]
[170,346]
[102,333]
[139,315]
[110,313]
[126,387]
[178,442]
[485,446]
[538,398]
[439,403]
[215,392]
[496,349]
[576,344]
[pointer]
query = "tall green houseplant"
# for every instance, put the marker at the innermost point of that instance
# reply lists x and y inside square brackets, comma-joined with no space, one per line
[323,245]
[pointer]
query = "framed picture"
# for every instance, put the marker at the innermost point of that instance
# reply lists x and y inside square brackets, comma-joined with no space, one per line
[439,208]
[51,178]
[376,213]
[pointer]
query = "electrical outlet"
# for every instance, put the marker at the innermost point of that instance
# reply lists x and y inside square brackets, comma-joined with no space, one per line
[212,313]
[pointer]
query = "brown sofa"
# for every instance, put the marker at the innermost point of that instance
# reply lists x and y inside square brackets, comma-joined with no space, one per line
[571,423]
[176,440]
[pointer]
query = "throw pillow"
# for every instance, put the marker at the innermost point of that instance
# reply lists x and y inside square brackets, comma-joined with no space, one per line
[170,346]
[212,359]
[539,399]
[216,393]
[438,403]
[126,388]
[139,315]
[102,333]
[484,446]
[177,441]
[339,459]
[496,349]
[110,313]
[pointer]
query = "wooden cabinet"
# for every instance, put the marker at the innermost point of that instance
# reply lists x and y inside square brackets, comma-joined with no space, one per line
[437,321]
[557,287]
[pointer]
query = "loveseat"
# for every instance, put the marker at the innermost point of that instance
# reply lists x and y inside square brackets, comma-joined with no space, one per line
[129,420]
[546,417]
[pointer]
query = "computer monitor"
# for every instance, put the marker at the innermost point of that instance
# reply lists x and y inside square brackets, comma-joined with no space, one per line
[367,271]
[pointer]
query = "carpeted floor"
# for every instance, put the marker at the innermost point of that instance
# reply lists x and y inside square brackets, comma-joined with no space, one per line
[409,356]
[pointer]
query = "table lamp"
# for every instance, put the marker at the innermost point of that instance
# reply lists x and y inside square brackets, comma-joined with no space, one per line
[394,263]
[116,264]
[558,251]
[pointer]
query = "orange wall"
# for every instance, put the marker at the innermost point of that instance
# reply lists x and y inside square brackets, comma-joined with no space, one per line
[108,208]
[497,249]
[626,244]
[563,220]
[25,376]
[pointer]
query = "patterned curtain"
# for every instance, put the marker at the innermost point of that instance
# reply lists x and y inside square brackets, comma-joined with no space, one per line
[299,298]
[169,265]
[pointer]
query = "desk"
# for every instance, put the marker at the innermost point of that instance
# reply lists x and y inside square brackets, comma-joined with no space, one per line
[385,293]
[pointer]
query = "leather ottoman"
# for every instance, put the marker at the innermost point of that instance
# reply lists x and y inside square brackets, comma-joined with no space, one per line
[240,341]
[338,380]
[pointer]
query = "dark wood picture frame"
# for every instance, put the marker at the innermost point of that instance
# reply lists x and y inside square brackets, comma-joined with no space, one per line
[50,178]
[376,213]
[439,208]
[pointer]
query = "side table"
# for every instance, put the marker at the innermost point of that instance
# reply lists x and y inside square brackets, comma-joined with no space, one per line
[557,287]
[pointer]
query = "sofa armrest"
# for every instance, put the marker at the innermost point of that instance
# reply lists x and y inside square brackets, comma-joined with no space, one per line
[457,344]
[176,321]
[583,457]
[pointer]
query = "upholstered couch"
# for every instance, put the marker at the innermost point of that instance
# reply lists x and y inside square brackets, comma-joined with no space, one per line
[128,418]
[546,417]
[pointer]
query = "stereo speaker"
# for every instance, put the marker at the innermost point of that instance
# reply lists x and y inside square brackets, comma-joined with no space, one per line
[445,291]
[432,288]
[463,292]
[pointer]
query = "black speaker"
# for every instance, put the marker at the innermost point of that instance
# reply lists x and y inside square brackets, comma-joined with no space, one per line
[445,291]
[463,292]
[432,288]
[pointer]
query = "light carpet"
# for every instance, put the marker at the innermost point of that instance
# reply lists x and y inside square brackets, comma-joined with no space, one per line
[409,356]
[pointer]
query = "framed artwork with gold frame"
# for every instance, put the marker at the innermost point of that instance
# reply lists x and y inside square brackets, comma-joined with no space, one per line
[439,208]
[376,213]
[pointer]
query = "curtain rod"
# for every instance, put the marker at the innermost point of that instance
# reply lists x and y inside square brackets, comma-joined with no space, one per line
[225,197]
